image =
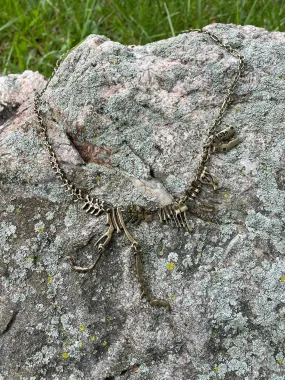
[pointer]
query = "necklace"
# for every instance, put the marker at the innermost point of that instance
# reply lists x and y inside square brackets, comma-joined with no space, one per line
[174,214]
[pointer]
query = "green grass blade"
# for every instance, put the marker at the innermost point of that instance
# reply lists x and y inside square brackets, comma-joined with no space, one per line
[8,24]
[169,20]
[250,13]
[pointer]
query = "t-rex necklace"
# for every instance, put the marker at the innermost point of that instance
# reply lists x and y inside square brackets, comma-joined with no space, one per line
[175,213]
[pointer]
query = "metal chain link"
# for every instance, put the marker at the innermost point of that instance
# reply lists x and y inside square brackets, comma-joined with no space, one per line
[77,193]
[70,188]
[230,90]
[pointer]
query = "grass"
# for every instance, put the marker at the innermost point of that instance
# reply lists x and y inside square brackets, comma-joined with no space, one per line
[34,33]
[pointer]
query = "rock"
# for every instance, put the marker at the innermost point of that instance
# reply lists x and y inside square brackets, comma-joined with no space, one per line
[128,125]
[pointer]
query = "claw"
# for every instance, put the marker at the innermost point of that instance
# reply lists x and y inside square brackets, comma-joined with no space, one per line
[219,147]
[101,246]
[85,269]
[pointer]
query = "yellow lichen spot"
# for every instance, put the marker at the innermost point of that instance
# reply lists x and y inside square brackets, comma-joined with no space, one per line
[160,252]
[92,338]
[282,278]
[170,266]
[172,297]
[50,280]
[98,178]
[67,343]
[280,361]
[105,343]
[82,328]
[80,344]
[217,369]
[96,137]
[237,109]
[36,375]
[41,229]
[65,355]
[109,319]
[226,196]
[37,259]
[27,259]
[18,210]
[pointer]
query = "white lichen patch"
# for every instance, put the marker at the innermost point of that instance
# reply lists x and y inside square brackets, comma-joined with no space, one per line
[52,228]
[50,215]
[43,357]
[10,208]
[40,307]
[187,262]
[173,256]
[7,230]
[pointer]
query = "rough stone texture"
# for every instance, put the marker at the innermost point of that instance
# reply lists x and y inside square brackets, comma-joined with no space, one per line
[128,123]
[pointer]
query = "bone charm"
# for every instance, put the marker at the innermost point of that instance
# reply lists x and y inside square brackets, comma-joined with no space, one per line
[175,214]
[94,208]
[219,147]
[208,179]
[225,135]
[106,237]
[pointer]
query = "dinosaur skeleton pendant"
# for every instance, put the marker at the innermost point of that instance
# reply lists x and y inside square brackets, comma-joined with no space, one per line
[174,214]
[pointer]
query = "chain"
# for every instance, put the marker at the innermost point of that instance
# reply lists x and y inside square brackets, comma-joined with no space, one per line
[90,206]
[228,98]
